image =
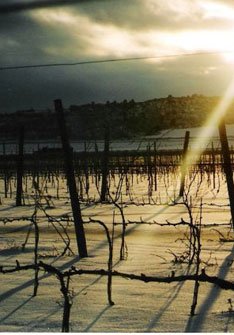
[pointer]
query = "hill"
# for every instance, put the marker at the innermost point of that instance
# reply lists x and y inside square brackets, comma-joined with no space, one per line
[126,119]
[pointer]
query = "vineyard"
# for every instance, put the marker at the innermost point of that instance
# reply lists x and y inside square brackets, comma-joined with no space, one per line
[137,241]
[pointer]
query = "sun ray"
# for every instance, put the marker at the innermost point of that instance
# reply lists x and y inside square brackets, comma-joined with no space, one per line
[210,126]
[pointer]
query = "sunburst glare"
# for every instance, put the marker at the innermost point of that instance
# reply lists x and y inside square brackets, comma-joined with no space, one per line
[211,125]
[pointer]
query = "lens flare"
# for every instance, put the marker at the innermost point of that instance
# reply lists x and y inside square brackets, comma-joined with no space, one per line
[210,126]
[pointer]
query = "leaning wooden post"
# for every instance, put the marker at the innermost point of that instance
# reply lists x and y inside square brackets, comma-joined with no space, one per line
[227,165]
[184,163]
[105,162]
[20,162]
[75,204]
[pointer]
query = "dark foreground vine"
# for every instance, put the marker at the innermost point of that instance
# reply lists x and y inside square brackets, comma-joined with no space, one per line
[64,279]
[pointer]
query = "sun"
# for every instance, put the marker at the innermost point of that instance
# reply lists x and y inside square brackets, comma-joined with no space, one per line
[229,57]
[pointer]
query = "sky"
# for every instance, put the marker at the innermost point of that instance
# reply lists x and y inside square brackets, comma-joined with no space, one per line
[114,29]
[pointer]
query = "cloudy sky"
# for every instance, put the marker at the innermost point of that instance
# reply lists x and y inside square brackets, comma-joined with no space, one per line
[110,29]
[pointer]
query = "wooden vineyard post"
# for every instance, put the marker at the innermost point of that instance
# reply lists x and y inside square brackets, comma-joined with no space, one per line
[5,170]
[20,162]
[155,167]
[184,163]
[86,170]
[75,204]
[105,164]
[213,163]
[227,165]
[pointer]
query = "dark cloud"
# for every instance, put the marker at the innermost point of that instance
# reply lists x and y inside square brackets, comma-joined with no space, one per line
[137,15]
[31,38]
[21,39]
[25,41]
[101,82]
[12,6]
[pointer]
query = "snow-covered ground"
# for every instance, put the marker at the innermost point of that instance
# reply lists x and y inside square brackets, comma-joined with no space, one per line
[139,306]
[167,139]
